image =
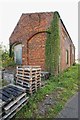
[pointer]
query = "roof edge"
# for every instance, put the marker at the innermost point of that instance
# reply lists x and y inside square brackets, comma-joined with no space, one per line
[63,25]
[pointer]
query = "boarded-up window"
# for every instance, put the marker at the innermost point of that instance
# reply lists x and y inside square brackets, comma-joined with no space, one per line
[18,54]
[66,56]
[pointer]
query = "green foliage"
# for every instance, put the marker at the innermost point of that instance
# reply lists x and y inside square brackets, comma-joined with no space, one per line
[9,61]
[53,46]
[48,53]
[5,60]
[65,84]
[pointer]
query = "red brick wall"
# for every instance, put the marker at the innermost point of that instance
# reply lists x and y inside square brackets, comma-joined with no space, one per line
[65,44]
[36,50]
[29,24]
[33,48]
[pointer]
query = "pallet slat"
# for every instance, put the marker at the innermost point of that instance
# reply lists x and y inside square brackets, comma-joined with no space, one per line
[2,103]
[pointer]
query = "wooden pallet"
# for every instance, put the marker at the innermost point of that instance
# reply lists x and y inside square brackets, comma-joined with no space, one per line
[27,66]
[12,104]
[30,88]
[13,98]
[33,90]
[28,77]
[28,73]
[28,85]
[15,109]
[28,70]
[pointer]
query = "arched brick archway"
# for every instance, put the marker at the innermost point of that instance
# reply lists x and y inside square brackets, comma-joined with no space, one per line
[36,49]
[16,52]
[12,47]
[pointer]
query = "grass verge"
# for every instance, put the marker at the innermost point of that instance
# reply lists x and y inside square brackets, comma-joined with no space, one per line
[66,84]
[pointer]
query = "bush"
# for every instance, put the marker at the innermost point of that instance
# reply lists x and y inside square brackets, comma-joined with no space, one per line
[5,60]
[8,62]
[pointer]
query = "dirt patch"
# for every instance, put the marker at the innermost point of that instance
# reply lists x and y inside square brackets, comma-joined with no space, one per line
[10,69]
[44,105]
[49,102]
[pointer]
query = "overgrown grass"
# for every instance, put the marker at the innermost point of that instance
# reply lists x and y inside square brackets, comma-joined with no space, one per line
[67,81]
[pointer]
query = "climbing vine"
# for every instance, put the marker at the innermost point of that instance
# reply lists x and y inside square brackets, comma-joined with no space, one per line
[53,46]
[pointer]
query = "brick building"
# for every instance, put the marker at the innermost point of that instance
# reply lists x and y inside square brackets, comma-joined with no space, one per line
[29,38]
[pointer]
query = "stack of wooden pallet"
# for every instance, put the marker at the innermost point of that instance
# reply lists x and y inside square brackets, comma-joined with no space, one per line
[29,77]
[12,99]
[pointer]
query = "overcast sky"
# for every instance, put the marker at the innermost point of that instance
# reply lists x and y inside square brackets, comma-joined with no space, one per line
[11,10]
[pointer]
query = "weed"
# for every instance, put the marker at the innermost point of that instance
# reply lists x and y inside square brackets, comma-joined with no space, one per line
[66,84]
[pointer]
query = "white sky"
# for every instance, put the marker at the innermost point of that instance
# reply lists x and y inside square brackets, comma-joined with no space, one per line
[11,10]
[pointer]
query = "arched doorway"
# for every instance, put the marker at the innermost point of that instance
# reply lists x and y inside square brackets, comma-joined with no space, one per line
[36,49]
[18,54]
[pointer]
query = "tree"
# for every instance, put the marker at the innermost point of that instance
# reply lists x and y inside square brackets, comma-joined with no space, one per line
[5,60]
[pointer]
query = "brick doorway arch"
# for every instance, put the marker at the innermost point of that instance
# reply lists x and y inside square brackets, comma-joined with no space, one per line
[36,49]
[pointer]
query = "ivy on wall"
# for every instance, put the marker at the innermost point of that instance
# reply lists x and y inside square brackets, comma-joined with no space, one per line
[52,49]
